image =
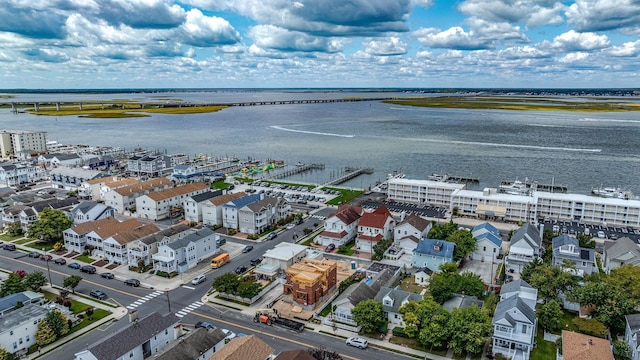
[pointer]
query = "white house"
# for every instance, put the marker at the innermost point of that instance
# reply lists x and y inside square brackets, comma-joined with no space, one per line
[18,327]
[409,231]
[623,251]
[422,276]
[567,248]
[212,209]
[93,233]
[632,334]
[159,205]
[275,261]
[526,244]
[488,242]
[374,227]
[392,300]
[230,209]
[72,178]
[55,160]
[514,321]
[16,173]
[124,198]
[115,246]
[186,252]
[139,340]
[340,227]
[193,205]
[91,211]
[96,188]
[143,248]
[256,217]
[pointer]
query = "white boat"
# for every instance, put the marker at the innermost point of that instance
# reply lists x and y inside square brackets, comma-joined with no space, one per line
[613,193]
[515,188]
[299,164]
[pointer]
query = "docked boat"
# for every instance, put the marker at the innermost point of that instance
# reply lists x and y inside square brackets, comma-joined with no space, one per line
[299,164]
[612,193]
[515,188]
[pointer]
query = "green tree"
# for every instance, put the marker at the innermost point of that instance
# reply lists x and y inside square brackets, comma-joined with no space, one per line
[530,268]
[34,281]
[322,353]
[442,286]
[426,320]
[380,247]
[469,328]
[227,283]
[58,323]
[622,350]
[469,284]
[465,243]
[44,334]
[12,285]
[550,315]
[551,281]
[5,355]
[611,302]
[442,231]
[14,229]
[586,241]
[72,282]
[626,277]
[50,225]
[248,288]
[369,315]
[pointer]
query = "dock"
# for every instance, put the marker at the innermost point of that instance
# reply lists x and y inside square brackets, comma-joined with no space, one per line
[454,179]
[297,170]
[350,173]
[536,186]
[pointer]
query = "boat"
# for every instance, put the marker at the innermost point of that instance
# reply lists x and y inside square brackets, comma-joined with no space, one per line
[299,164]
[515,188]
[612,193]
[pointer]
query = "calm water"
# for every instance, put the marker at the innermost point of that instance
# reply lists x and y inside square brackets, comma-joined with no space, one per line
[581,150]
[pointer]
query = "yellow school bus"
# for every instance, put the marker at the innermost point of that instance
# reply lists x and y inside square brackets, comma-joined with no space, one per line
[220,260]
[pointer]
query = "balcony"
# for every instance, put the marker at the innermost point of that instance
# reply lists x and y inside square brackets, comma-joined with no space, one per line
[524,339]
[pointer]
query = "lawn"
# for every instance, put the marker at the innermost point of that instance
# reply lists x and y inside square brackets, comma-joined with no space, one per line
[40,245]
[97,315]
[408,284]
[345,197]
[544,350]
[7,237]
[23,241]
[413,344]
[84,258]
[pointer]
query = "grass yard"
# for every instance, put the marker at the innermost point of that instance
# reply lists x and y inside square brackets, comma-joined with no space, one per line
[345,197]
[413,344]
[97,315]
[23,241]
[38,245]
[84,258]
[544,350]
[7,237]
[408,284]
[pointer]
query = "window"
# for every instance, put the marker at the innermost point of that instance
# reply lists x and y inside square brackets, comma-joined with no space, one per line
[524,329]
[484,248]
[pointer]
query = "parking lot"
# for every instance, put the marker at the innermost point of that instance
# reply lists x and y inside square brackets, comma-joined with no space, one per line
[408,208]
[602,232]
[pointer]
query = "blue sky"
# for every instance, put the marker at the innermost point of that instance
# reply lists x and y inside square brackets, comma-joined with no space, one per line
[319,43]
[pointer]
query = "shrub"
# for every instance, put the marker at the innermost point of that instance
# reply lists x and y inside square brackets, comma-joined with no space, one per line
[399,331]
[162,273]
[591,327]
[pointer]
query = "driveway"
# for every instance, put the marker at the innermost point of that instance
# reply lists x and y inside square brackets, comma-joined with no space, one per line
[484,269]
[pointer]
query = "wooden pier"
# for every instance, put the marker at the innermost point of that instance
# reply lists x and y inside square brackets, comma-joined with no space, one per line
[298,170]
[535,186]
[351,172]
[454,179]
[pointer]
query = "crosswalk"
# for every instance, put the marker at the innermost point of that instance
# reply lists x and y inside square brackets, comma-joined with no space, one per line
[189,309]
[143,300]
[320,217]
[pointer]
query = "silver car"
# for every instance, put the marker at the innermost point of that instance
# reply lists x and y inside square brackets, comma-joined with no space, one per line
[357,342]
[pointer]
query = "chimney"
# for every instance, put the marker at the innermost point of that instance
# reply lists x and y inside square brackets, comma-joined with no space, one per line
[133,316]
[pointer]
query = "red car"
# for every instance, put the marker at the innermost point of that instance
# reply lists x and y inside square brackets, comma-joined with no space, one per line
[46,257]
[21,273]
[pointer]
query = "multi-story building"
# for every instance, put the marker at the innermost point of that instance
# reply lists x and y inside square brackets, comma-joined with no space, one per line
[92,233]
[18,327]
[256,217]
[341,226]
[230,209]
[432,253]
[623,251]
[91,211]
[435,193]
[55,160]
[409,231]
[526,244]
[212,210]
[28,213]
[278,259]
[14,141]
[193,205]
[71,178]
[158,205]
[491,204]
[392,299]
[124,198]
[184,253]
[16,173]
[142,249]
[96,188]
[309,282]
[374,227]
[154,165]
[488,242]
[514,321]
[115,246]
[567,249]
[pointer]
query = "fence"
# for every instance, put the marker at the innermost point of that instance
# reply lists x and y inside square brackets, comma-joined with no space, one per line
[268,288]
[339,325]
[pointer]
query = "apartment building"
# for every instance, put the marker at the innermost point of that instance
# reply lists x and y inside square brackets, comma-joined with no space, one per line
[124,198]
[14,141]
[158,205]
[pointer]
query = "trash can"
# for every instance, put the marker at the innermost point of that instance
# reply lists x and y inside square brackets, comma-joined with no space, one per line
[353,265]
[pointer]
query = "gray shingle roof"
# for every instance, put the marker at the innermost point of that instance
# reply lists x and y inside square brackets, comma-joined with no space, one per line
[195,237]
[135,334]
[621,246]
[154,238]
[512,310]
[634,322]
[363,291]
[459,301]
[206,196]
[528,233]
[192,346]
[398,297]
[514,286]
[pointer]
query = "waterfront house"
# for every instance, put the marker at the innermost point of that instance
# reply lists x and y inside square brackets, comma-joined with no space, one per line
[366,289]
[91,234]
[160,205]
[96,189]
[230,209]
[514,321]
[13,174]
[432,253]
[248,347]
[184,253]
[149,165]
[374,227]
[139,340]
[340,227]
[623,251]
[567,249]
[309,282]
[526,244]
[199,344]
[258,216]
[142,249]
[409,231]
[193,205]
[392,299]
[276,260]
[488,242]
[71,179]
[584,347]
[212,210]
[124,198]
[632,335]
[91,211]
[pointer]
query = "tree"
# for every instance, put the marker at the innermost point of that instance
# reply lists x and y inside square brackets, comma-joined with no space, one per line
[72,282]
[14,229]
[550,315]
[12,285]
[322,353]
[50,225]
[530,268]
[442,231]
[4,354]
[58,323]
[248,288]
[622,349]
[626,277]
[465,243]
[469,283]
[469,328]
[34,281]
[551,281]
[611,302]
[586,241]
[380,247]
[369,315]
[426,320]
[227,283]
[44,334]
[442,286]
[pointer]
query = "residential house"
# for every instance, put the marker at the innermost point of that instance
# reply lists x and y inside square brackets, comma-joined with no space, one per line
[142,249]
[91,234]
[366,289]
[91,211]
[161,204]
[514,321]
[632,335]
[392,300]
[30,212]
[96,188]
[526,244]
[276,260]
[199,344]
[244,348]
[409,231]
[567,249]
[13,174]
[124,198]
[488,242]
[310,282]
[93,161]
[139,340]
[184,253]
[54,160]
[18,327]
[374,227]
[258,216]
[298,354]
[149,165]
[623,251]
[71,179]
[340,227]
[212,210]
[9,302]
[422,276]
[230,209]
[460,301]
[584,347]
[193,205]
[115,246]
[432,253]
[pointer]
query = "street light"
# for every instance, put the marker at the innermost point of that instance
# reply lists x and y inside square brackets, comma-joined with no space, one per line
[48,270]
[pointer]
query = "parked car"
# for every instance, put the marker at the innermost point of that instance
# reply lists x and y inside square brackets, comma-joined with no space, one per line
[88,269]
[204,324]
[9,247]
[74,265]
[330,247]
[241,269]
[272,235]
[291,226]
[46,257]
[255,261]
[60,261]
[198,279]
[299,221]
[132,282]
[221,241]
[98,294]
[228,334]
[357,342]
[107,275]
[34,254]
[247,248]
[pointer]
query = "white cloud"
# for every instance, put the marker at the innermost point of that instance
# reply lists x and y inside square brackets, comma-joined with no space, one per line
[626,50]
[601,15]
[575,41]
[573,57]
[204,31]
[452,38]
[275,38]
[387,46]
[531,12]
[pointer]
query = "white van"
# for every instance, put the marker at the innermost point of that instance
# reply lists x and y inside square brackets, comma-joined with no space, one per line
[601,234]
[586,231]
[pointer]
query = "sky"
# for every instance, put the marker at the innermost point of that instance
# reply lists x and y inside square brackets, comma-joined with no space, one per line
[85,44]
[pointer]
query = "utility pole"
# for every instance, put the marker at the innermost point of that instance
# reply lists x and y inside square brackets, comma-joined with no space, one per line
[168,300]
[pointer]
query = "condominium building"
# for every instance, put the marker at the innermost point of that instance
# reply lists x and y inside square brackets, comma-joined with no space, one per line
[14,141]
[422,191]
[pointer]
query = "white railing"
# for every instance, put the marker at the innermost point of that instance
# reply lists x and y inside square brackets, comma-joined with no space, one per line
[522,338]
